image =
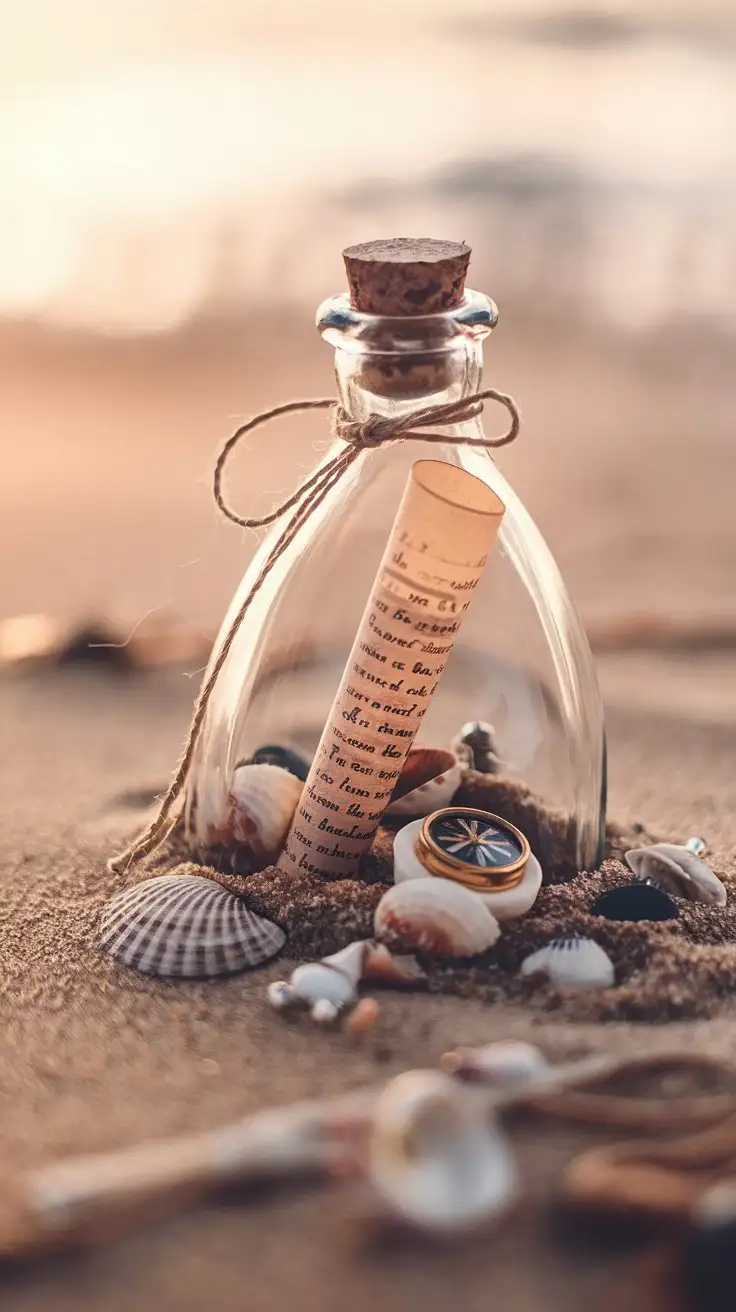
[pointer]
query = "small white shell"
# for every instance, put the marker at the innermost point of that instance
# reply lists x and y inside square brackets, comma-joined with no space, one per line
[504,1065]
[280,995]
[436,915]
[677,870]
[186,927]
[436,1158]
[429,780]
[334,979]
[572,963]
[263,801]
[324,1011]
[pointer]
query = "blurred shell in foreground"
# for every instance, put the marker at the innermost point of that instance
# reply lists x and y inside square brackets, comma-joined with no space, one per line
[436,1158]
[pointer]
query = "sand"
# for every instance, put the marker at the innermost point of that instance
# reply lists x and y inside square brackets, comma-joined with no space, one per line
[92,1056]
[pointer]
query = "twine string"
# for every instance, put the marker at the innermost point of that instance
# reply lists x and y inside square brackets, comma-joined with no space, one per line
[358,436]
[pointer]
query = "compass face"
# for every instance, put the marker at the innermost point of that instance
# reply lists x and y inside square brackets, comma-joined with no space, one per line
[475,839]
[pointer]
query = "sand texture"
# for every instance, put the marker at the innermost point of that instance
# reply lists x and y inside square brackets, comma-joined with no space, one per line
[92,1056]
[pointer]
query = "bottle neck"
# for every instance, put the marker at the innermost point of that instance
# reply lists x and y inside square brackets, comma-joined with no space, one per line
[390,385]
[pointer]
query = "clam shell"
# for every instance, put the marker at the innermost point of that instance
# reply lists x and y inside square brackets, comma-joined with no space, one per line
[263,800]
[677,870]
[435,915]
[507,1064]
[185,927]
[436,1158]
[428,781]
[572,963]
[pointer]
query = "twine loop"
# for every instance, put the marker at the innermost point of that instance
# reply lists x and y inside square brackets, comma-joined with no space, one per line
[358,437]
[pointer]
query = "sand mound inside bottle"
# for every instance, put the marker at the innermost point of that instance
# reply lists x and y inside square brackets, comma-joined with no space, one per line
[664,971]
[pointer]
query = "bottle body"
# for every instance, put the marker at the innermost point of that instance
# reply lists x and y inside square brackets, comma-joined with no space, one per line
[520,663]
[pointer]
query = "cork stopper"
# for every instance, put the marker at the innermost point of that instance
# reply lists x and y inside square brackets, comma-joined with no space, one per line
[406,275]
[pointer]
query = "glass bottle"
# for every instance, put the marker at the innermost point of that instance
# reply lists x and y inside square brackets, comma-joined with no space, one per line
[521,661]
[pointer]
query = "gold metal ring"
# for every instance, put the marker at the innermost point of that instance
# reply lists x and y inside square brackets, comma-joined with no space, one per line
[437,860]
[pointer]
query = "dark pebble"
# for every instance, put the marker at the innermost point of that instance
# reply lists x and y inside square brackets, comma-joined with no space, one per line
[283,756]
[708,1256]
[635,902]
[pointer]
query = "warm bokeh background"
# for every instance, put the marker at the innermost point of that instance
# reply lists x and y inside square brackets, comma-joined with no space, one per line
[177,181]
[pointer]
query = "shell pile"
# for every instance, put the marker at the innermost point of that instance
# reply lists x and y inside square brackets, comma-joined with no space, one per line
[572,963]
[186,927]
[677,870]
[436,915]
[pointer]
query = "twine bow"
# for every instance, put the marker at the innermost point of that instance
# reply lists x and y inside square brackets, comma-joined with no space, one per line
[358,436]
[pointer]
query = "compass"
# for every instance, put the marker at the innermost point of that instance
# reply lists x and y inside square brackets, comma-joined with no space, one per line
[473,847]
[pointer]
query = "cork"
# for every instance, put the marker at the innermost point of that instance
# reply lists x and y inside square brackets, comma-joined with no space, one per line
[406,275]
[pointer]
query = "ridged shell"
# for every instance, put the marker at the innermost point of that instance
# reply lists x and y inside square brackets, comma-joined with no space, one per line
[435,915]
[264,799]
[185,927]
[677,870]
[429,780]
[572,963]
[436,1157]
[507,1064]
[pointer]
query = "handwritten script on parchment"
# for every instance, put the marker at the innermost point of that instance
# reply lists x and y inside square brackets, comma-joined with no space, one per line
[444,530]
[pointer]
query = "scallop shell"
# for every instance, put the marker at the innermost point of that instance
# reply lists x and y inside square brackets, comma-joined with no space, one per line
[436,1158]
[334,979]
[507,1064]
[263,799]
[572,963]
[428,781]
[185,927]
[435,915]
[677,870]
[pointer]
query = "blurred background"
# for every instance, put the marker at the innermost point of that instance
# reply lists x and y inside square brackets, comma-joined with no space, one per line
[177,181]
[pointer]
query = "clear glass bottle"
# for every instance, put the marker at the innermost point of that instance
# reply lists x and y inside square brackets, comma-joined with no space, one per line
[521,661]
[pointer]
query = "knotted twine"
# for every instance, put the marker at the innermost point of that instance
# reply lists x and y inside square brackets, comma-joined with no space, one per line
[358,436]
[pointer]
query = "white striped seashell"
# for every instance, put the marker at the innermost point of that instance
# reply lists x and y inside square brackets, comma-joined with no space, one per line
[333,979]
[436,1158]
[263,801]
[186,927]
[436,915]
[572,963]
[677,870]
[507,1064]
[428,781]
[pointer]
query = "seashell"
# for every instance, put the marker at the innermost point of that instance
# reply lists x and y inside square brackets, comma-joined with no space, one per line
[283,757]
[324,1011]
[635,902]
[428,781]
[263,799]
[386,967]
[676,870]
[334,979]
[436,1158]
[503,1065]
[186,927]
[436,915]
[280,995]
[363,1017]
[478,740]
[572,963]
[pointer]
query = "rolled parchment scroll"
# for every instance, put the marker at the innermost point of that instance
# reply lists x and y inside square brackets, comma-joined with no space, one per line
[444,530]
